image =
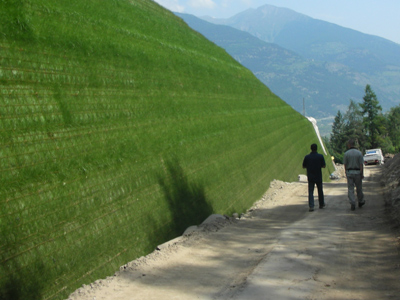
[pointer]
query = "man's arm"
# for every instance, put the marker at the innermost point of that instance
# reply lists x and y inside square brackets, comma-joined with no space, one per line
[362,167]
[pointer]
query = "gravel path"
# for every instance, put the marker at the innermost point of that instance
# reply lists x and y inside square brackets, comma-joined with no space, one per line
[278,250]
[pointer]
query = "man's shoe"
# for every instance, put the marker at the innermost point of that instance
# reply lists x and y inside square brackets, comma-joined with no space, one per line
[360,204]
[322,206]
[353,207]
[311,209]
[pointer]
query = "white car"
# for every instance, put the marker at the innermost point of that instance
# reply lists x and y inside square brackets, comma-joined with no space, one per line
[373,157]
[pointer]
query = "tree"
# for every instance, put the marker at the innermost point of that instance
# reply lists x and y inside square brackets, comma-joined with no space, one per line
[370,111]
[338,137]
[365,123]
[393,125]
[354,127]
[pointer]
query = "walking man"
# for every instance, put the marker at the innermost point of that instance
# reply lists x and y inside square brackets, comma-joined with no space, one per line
[313,162]
[354,167]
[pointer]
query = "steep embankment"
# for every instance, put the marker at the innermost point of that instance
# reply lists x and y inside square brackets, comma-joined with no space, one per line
[120,127]
[391,183]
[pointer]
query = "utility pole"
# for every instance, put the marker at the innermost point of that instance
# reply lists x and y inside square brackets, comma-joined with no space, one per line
[304,108]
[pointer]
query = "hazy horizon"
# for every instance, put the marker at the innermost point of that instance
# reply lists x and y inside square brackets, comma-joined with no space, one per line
[367,16]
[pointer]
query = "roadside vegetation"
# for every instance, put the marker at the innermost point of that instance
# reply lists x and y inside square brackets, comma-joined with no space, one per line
[120,127]
[365,123]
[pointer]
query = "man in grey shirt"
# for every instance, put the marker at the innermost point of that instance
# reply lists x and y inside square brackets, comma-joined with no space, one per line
[354,167]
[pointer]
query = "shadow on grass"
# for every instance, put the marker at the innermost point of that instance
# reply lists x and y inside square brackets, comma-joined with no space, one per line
[186,200]
[23,284]
[21,276]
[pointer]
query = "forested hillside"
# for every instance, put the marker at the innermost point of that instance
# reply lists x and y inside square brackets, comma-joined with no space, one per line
[305,84]
[120,127]
[328,66]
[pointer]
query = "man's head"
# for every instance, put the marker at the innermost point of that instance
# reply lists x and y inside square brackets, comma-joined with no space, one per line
[351,143]
[314,147]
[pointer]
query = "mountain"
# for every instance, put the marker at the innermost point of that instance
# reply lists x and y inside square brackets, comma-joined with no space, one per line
[286,73]
[314,39]
[330,64]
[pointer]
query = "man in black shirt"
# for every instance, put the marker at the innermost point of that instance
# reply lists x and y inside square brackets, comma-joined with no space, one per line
[313,162]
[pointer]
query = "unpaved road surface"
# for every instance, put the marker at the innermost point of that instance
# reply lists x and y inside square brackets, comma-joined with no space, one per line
[278,250]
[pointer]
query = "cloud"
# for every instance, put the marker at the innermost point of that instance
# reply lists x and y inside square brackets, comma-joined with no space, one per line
[248,2]
[225,3]
[172,5]
[208,4]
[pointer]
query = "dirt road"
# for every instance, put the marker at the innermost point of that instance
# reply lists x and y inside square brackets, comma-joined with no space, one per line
[279,250]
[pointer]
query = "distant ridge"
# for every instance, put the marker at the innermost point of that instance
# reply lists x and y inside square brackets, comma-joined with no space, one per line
[273,19]
[310,37]
[323,63]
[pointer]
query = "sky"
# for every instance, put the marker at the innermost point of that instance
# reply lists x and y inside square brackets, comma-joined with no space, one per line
[376,17]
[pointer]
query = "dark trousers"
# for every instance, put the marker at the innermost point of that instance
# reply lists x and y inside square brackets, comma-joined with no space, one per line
[355,180]
[311,185]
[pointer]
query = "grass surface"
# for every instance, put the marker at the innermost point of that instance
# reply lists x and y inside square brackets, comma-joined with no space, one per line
[120,127]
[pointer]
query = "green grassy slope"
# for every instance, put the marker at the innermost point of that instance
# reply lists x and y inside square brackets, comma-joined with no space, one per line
[120,127]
